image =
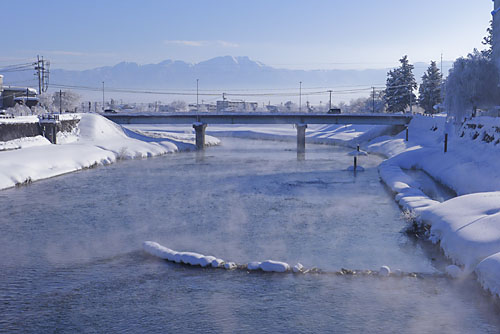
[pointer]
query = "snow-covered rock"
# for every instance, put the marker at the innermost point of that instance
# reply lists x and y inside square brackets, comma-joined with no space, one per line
[230,265]
[274,266]
[206,261]
[254,265]
[217,263]
[384,271]
[298,268]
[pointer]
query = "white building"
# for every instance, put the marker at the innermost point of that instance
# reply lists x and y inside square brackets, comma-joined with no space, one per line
[236,106]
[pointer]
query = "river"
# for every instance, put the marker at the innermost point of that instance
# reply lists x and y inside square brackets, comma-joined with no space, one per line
[72,260]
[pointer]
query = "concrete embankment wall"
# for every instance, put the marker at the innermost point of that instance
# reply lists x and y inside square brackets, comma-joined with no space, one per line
[10,131]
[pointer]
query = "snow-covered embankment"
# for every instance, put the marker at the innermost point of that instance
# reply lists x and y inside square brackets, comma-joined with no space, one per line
[467,227]
[95,141]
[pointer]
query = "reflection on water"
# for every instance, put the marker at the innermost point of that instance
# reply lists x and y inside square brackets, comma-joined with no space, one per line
[72,259]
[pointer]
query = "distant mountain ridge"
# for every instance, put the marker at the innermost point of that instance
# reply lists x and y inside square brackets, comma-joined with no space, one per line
[220,72]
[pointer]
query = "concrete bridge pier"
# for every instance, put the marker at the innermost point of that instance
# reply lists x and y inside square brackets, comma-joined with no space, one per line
[199,128]
[301,138]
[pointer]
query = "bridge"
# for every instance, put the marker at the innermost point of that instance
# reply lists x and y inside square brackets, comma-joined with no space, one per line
[200,121]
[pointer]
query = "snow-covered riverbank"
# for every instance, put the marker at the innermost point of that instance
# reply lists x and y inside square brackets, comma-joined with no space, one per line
[467,227]
[95,141]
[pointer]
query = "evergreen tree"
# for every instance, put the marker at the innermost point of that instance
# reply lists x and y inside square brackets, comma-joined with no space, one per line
[488,41]
[399,87]
[430,89]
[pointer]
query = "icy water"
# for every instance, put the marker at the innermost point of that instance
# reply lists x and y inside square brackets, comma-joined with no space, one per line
[72,260]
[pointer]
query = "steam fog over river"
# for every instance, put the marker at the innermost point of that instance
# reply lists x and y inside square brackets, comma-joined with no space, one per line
[72,260]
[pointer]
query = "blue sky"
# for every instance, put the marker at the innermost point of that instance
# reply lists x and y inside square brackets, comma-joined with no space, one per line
[282,33]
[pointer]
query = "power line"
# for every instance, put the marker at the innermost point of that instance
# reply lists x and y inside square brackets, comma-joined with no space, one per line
[209,93]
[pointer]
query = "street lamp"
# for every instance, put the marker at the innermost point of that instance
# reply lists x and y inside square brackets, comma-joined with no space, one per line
[103,96]
[300,96]
[197,104]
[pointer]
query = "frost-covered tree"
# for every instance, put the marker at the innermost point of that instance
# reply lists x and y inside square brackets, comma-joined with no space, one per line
[430,89]
[178,105]
[66,100]
[472,83]
[367,105]
[290,106]
[399,87]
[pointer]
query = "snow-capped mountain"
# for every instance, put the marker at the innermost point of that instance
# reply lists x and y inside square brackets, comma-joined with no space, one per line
[219,72]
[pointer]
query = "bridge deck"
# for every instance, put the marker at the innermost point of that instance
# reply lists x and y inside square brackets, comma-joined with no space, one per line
[375,119]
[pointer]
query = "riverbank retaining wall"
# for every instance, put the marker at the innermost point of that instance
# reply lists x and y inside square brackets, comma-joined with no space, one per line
[10,131]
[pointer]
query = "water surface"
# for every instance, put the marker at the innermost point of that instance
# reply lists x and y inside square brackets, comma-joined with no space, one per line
[72,259]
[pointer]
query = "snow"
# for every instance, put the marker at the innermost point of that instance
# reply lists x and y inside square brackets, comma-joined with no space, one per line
[96,141]
[195,259]
[384,271]
[467,227]
[254,265]
[217,263]
[274,266]
[298,268]
[488,273]
[230,266]
[357,153]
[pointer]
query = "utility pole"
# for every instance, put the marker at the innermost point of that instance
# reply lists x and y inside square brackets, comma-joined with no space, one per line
[39,76]
[60,101]
[103,96]
[300,96]
[373,98]
[45,75]
[197,104]
[330,104]
[441,66]
[44,87]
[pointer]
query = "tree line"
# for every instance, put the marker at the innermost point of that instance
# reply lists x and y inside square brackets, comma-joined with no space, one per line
[472,84]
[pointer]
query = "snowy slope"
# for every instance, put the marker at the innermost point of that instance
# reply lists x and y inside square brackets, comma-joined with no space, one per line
[96,141]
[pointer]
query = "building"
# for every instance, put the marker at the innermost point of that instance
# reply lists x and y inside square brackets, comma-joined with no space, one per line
[12,95]
[236,106]
[202,107]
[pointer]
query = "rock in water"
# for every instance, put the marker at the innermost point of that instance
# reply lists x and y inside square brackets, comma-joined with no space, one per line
[254,266]
[206,261]
[298,268]
[217,263]
[230,266]
[384,271]
[454,271]
[274,266]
